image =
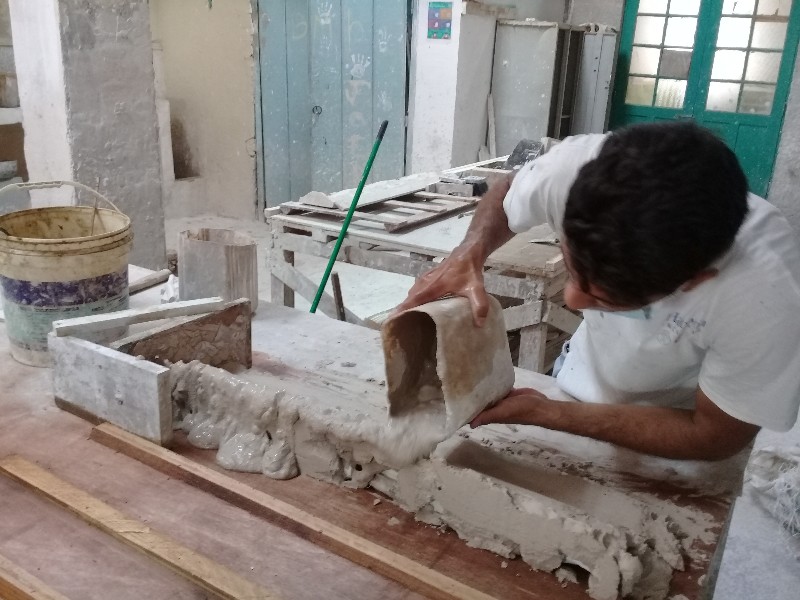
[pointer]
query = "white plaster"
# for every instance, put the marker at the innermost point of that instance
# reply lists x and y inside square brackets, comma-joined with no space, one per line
[40,77]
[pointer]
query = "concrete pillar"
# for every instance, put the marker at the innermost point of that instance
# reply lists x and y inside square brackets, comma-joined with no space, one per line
[85,72]
[783,191]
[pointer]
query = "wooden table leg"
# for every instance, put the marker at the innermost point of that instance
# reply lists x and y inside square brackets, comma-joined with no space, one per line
[532,345]
[279,292]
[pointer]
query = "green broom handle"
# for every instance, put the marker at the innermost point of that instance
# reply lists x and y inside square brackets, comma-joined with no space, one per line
[349,216]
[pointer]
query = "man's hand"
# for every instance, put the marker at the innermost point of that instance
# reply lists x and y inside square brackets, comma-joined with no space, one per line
[519,407]
[461,274]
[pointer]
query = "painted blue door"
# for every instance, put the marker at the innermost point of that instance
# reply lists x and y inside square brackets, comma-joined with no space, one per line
[330,72]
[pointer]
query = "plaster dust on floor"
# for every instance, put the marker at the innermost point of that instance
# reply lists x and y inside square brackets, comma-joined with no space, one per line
[282,421]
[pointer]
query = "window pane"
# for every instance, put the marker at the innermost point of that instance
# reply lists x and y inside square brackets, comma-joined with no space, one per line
[670,93]
[733,32]
[680,31]
[728,64]
[757,99]
[769,35]
[675,63]
[640,90]
[763,66]
[738,7]
[644,61]
[657,7]
[649,30]
[722,96]
[684,7]
[776,8]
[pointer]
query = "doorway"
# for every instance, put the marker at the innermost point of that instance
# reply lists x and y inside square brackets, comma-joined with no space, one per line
[726,64]
[331,71]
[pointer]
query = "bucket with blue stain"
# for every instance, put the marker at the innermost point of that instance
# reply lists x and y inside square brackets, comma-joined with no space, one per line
[58,263]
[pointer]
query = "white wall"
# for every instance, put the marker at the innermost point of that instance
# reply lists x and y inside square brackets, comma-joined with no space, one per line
[40,76]
[208,70]
[450,80]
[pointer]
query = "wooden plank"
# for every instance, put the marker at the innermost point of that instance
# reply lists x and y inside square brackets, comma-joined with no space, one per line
[426,217]
[389,57]
[423,206]
[308,289]
[376,192]
[326,95]
[274,100]
[450,197]
[299,105]
[18,584]
[361,551]
[492,133]
[561,318]
[289,207]
[524,315]
[149,281]
[132,316]
[337,297]
[211,576]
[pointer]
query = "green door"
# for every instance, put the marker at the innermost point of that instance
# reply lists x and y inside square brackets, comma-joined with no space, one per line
[727,64]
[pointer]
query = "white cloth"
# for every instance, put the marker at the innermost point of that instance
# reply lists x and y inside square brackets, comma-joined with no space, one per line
[737,335]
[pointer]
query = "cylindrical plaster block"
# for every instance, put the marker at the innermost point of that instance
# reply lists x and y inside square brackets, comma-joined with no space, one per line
[217,262]
[436,355]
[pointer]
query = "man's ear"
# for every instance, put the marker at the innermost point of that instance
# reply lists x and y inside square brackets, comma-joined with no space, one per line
[702,276]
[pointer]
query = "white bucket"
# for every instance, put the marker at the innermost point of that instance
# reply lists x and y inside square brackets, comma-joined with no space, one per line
[58,263]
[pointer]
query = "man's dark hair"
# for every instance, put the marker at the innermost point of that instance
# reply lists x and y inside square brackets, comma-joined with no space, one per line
[660,203]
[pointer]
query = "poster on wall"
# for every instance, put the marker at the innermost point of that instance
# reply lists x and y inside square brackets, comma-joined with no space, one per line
[440,20]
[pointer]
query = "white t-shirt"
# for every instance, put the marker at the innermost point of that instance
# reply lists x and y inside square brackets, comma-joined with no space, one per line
[736,335]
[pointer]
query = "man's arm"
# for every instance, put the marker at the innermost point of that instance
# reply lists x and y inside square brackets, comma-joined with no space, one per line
[705,433]
[461,273]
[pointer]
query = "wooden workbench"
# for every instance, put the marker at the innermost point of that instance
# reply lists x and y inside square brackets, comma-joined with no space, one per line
[528,277]
[81,562]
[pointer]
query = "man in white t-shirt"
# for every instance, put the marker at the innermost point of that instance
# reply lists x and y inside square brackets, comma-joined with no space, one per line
[689,288]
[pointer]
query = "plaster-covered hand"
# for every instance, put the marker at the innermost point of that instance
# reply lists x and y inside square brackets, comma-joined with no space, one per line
[461,273]
[519,407]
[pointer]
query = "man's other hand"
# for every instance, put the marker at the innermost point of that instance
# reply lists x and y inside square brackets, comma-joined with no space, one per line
[519,407]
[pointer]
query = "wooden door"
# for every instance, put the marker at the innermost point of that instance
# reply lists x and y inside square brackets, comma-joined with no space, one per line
[725,63]
[331,71]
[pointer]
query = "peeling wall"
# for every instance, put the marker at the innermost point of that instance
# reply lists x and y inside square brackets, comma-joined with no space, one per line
[208,70]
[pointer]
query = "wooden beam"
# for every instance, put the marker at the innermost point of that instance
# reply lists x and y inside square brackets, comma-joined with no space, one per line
[18,584]
[133,316]
[211,576]
[148,281]
[402,569]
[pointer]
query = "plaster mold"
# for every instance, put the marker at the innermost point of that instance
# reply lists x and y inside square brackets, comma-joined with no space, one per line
[440,364]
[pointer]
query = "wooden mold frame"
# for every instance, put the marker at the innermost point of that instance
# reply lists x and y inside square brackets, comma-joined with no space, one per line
[128,383]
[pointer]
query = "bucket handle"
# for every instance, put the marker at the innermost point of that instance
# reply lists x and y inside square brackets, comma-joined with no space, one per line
[42,185]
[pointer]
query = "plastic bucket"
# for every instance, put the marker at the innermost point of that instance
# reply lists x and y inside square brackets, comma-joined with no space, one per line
[58,263]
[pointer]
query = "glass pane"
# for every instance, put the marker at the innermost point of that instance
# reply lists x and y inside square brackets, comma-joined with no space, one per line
[769,35]
[738,7]
[657,7]
[649,30]
[757,99]
[640,90]
[733,32]
[644,61]
[774,8]
[684,7]
[670,93]
[763,66]
[675,63]
[722,96]
[728,64]
[680,31]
